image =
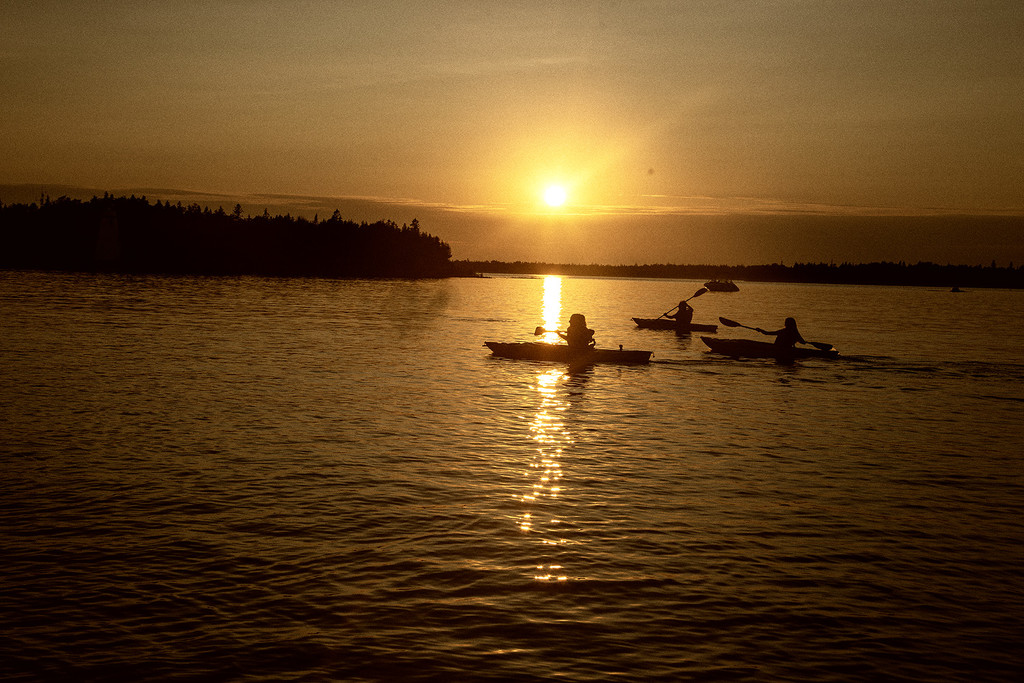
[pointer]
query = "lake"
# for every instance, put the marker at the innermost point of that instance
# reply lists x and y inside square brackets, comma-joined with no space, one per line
[303,479]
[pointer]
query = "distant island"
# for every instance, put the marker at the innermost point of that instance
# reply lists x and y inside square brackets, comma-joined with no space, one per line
[883,273]
[129,234]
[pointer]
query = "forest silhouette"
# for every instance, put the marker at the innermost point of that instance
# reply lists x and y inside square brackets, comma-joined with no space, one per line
[129,234]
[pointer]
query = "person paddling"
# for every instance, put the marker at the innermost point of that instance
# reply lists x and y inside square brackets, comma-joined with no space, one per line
[683,312]
[577,334]
[787,337]
[683,315]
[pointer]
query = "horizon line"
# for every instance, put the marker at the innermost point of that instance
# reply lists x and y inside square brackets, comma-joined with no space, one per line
[699,205]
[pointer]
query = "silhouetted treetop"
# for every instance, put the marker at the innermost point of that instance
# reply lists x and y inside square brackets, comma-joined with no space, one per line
[130,234]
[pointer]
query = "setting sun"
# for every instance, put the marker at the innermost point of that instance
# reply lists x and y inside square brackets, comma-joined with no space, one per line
[555,195]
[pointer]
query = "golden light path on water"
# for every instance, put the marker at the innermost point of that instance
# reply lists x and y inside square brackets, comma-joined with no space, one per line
[548,431]
[552,306]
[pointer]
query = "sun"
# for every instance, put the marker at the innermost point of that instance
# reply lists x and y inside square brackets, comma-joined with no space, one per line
[555,195]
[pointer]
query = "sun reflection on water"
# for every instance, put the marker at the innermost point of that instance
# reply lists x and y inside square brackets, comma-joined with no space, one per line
[551,437]
[552,306]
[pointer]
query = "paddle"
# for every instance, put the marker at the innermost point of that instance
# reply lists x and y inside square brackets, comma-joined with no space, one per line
[702,290]
[732,323]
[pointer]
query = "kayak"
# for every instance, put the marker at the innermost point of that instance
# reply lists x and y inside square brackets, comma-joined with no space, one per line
[669,324]
[561,353]
[748,348]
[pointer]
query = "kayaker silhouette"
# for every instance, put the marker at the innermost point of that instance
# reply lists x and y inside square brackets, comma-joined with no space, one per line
[577,334]
[787,337]
[683,315]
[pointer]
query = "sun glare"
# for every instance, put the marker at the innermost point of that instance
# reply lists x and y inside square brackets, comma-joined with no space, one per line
[555,195]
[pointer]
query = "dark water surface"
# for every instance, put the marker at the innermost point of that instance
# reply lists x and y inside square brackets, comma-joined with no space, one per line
[260,479]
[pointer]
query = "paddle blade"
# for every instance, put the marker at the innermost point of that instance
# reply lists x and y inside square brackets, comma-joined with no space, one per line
[822,345]
[702,290]
[539,330]
[729,323]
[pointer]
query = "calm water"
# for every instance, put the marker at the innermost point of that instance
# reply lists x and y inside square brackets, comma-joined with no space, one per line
[259,479]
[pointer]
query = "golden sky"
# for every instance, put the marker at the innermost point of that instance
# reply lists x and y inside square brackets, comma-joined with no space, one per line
[649,107]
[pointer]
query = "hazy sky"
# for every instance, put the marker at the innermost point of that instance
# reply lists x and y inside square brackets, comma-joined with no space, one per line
[636,108]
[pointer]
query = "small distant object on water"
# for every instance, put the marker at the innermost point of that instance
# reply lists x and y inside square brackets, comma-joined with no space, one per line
[717,285]
[956,290]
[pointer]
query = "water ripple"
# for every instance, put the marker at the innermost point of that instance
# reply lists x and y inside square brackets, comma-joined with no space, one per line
[213,479]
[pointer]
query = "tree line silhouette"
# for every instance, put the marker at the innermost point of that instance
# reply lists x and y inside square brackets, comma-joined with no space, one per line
[923,273]
[129,234]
